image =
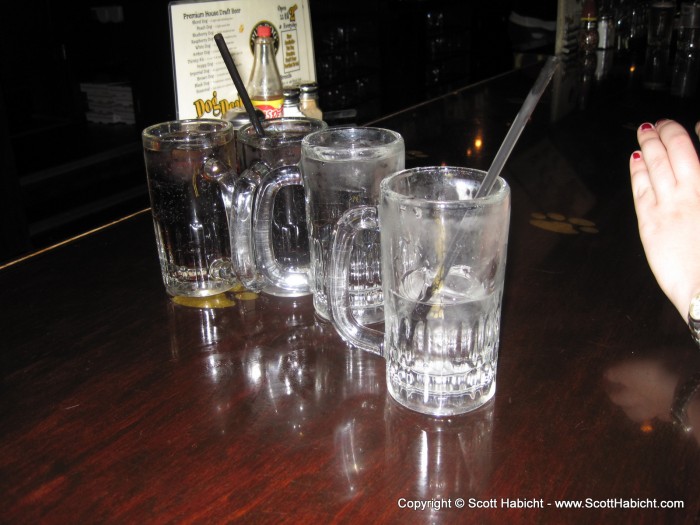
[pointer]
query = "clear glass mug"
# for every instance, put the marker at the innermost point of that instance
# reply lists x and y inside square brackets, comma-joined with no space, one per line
[342,167]
[443,257]
[184,161]
[660,20]
[269,236]
[685,75]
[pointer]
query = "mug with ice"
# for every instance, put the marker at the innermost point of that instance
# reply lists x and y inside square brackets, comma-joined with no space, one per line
[442,320]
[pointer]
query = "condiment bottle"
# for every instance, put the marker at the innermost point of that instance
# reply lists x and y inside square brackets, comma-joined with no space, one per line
[606,26]
[290,108]
[265,85]
[308,100]
[588,36]
[606,40]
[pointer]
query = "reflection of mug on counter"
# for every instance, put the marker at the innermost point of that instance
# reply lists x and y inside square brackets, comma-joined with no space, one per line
[209,329]
[360,441]
[295,381]
[443,457]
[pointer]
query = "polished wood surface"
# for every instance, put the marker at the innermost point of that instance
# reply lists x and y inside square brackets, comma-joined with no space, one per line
[119,406]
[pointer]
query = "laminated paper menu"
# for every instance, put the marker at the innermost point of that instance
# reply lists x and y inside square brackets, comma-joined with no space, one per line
[203,86]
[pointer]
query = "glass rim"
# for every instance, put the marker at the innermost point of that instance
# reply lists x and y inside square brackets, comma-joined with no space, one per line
[246,136]
[499,192]
[310,140]
[170,131]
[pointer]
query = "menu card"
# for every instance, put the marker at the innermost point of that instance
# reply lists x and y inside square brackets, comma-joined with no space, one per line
[203,85]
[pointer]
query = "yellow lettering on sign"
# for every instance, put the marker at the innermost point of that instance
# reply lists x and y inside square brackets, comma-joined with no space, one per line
[216,107]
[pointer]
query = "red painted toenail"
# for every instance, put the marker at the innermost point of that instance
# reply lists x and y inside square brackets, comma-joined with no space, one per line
[646,126]
[636,155]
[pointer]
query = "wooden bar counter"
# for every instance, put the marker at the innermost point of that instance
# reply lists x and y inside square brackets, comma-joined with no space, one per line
[119,406]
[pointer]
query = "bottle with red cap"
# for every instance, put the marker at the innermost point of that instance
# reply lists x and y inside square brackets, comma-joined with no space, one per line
[265,84]
[588,35]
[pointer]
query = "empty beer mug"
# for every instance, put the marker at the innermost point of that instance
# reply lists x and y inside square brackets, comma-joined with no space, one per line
[269,239]
[342,167]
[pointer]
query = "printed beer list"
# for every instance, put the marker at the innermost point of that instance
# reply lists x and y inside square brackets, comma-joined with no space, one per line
[203,86]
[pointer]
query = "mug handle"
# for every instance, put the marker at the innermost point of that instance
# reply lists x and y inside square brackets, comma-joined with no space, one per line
[291,279]
[241,225]
[216,171]
[349,225]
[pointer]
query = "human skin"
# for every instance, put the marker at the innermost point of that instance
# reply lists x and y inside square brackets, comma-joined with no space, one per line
[665,176]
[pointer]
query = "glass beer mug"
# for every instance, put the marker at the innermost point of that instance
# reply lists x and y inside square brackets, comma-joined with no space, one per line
[269,239]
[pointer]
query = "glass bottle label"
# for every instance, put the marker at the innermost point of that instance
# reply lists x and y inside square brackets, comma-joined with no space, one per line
[271,108]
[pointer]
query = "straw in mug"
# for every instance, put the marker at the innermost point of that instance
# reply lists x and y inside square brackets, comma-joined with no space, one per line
[422,308]
[231,66]
[518,125]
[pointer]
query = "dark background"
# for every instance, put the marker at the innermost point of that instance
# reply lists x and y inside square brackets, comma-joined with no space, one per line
[63,175]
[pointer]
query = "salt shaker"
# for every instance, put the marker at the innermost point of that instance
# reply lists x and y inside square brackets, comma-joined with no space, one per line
[290,106]
[308,100]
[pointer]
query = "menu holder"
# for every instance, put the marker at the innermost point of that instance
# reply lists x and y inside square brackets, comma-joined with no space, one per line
[203,86]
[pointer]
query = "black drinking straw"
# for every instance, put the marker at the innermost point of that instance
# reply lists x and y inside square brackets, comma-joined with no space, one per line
[423,306]
[228,60]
